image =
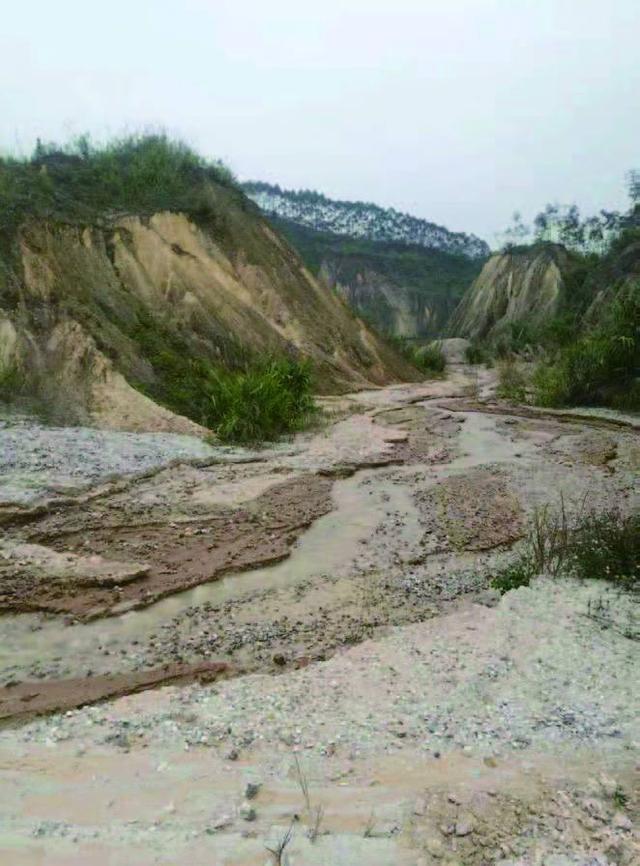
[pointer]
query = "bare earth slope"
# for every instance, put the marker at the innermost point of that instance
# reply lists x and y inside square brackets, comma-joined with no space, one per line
[88,311]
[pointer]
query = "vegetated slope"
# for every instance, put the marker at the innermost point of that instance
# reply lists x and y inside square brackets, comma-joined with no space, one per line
[361,220]
[113,301]
[520,284]
[403,289]
[620,268]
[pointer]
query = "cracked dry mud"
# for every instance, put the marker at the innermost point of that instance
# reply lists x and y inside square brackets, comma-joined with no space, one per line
[182,642]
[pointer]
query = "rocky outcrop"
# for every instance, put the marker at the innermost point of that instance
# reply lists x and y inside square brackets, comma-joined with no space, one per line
[524,284]
[89,314]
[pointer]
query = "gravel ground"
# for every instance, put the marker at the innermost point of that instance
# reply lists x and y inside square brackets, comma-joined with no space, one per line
[474,738]
[481,679]
[36,460]
[429,722]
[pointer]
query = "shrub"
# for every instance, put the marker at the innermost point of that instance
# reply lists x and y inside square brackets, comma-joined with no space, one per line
[512,382]
[134,174]
[476,354]
[606,546]
[11,383]
[601,368]
[430,359]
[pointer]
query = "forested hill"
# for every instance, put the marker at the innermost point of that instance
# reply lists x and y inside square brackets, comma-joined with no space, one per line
[361,220]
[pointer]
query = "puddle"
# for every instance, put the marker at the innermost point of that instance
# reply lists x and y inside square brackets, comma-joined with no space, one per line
[329,546]
[480,442]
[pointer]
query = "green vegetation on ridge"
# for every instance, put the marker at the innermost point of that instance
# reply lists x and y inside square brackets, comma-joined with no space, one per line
[81,181]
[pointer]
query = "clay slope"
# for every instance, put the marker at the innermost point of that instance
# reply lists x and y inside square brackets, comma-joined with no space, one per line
[87,311]
[520,284]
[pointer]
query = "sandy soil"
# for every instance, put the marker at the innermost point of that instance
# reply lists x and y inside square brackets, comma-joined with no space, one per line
[377,697]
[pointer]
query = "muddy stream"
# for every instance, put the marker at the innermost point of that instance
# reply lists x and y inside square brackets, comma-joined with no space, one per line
[361,503]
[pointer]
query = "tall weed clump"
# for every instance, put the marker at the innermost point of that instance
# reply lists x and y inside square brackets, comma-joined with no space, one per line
[593,546]
[268,400]
[428,359]
[512,381]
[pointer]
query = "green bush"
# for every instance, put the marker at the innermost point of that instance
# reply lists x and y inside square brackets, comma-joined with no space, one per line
[601,368]
[606,546]
[519,572]
[476,354]
[12,384]
[599,546]
[430,359]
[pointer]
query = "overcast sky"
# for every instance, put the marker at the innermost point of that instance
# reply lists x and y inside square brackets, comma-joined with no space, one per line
[459,111]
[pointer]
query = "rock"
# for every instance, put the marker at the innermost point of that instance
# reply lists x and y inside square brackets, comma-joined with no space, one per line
[251,790]
[121,740]
[435,847]
[247,812]
[232,755]
[454,349]
[464,826]
[622,822]
[608,785]
[221,822]
[420,806]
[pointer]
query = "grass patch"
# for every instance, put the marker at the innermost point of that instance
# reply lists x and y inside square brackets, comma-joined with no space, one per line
[598,546]
[268,400]
[477,354]
[430,359]
[260,399]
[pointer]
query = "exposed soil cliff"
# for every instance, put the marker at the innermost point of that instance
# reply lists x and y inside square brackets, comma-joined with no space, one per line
[91,315]
[521,284]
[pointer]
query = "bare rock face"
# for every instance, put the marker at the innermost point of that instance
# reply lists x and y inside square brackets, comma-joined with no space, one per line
[521,284]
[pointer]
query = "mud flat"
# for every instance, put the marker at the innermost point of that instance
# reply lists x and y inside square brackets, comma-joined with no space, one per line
[305,639]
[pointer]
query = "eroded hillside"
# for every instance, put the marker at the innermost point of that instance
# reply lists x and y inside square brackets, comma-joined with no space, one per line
[514,285]
[99,313]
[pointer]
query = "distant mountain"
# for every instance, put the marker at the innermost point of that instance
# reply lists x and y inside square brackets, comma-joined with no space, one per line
[361,220]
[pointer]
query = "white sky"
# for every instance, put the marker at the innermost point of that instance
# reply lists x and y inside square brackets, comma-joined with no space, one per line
[460,111]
